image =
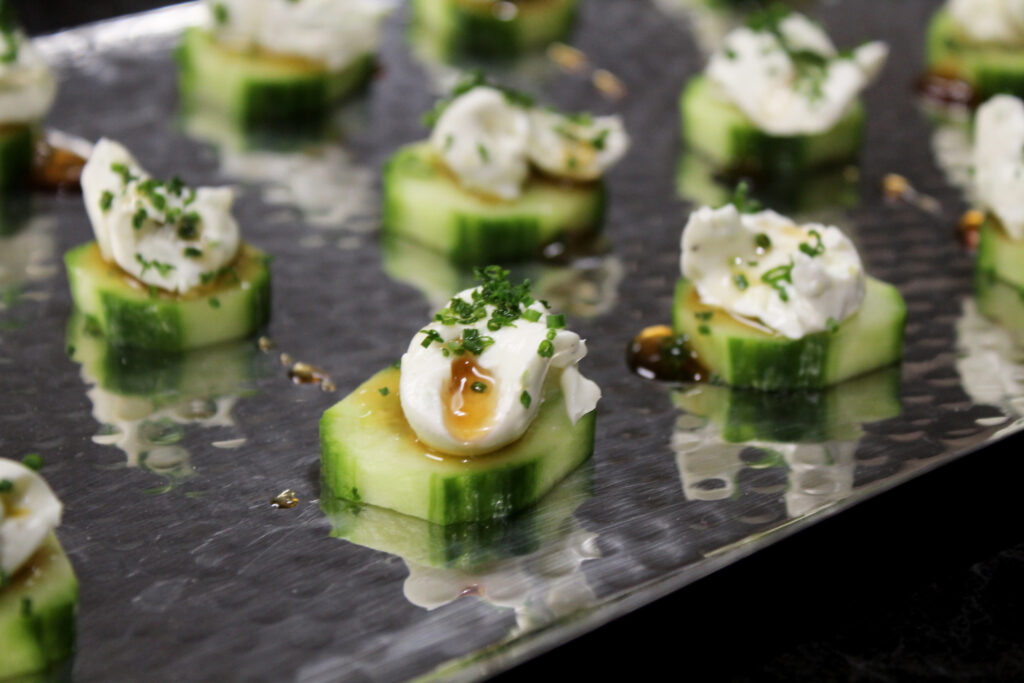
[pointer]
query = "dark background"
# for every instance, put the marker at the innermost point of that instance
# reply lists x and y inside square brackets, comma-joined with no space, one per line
[906,587]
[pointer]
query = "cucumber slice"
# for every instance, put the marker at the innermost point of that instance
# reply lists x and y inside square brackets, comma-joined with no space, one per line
[835,414]
[17,146]
[717,129]
[999,255]
[370,454]
[37,613]
[744,356]
[234,305]
[491,29]
[1001,302]
[989,69]
[424,202]
[257,87]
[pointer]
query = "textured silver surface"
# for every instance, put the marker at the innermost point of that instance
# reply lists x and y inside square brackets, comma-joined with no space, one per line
[186,570]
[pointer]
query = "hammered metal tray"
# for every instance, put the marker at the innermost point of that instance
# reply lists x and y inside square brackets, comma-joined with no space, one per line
[167,467]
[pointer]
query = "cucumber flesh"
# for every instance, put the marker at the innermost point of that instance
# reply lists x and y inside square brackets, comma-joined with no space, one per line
[1000,301]
[722,133]
[744,356]
[477,28]
[989,69]
[369,454]
[999,255]
[257,87]
[234,305]
[17,147]
[424,202]
[37,613]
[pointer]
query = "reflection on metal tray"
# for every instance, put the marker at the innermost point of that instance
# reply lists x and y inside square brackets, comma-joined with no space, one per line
[208,580]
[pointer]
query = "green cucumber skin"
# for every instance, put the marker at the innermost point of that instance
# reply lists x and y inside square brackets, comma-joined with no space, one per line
[1000,255]
[131,317]
[474,231]
[35,638]
[486,488]
[468,32]
[990,69]
[745,357]
[208,75]
[725,136]
[17,147]
[1000,301]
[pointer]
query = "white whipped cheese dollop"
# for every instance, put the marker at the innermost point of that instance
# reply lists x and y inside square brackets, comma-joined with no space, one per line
[489,142]
[163,233]
[518,370]
[335,32]
[27,85]
[29,511]
[998,22]
[797,84]
[998,161]
[794,279]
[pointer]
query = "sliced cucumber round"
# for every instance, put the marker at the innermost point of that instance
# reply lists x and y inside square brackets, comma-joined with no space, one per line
[999,255]
[989,69]
[718,130]
[17,146]
[492,29]
[424,202]
[257,87]
[1002,302]
[37,613]
[744,356]
[369,454]
[234,305]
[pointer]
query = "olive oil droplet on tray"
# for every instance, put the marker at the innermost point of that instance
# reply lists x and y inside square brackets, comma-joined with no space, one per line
[287,499]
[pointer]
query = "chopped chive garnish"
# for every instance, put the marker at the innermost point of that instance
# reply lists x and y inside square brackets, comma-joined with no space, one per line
[600,140]
[139,218]
[432,336]
[525,399]
[816,249]
[384,391]
[123,171]
[741,281]
[556,321]
[33,461]
[478,387]
[704,329]
[106,200]
[763,241]
[220,13]
[192,252]
[552,334]
[188,226]
[531,314]
[546,349]
[776,276]
[832,325]
[704,315]
[485,156]
[6,485]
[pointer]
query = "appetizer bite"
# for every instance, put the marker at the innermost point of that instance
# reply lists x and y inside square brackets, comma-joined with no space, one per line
[265,61]
[486,412]
[27,91]
[168,269]
[979,43]
[777,98]
[769,304]
[38,588]
[500,178]
[493,28]
[999,189]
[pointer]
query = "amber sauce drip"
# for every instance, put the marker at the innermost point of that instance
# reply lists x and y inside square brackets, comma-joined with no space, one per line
[54,168]
[947,88]
[469,413]
[658,353]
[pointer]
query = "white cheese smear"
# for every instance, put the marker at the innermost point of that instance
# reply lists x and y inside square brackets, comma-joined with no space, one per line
[29,512]
[793,81]
[998,161]
[515,365]
[335,32]
[999,22]
[161,232]
[489,142]
[794,279]
[27,85]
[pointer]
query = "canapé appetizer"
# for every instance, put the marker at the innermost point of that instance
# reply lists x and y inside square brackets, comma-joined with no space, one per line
[168,269]
[38,589]
[777,98]
[979,42]
[27,91]
[770,304]
[493,28]
[485,414]
[261,61]
[501,178]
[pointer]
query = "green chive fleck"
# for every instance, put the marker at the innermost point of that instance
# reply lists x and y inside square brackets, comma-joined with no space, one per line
[556,321]
[139,218]
[106,200]
[220,14]
[6,485]
[704,329]
[525,399]
[478,387]
[532,315]
[33,461]
[704,315]
[832,325]
[763,241]
[384,391]
[741,281]
[546,349]
[485,156]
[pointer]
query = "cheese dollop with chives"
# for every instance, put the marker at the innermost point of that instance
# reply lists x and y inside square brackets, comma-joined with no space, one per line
[489,138]
[793,279]
[27,85]
[784,73]
[162,232]
[998,162]
[335,32]
[29,512]
[474,379]
[997,22]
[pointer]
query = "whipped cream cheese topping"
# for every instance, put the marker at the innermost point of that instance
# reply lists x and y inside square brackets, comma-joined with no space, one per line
[998,161]
[473,380]
[489,138]
[164,233]
[999,22]
[29,511]
[335,32]
[794,279]
[27,86]
[785,74]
